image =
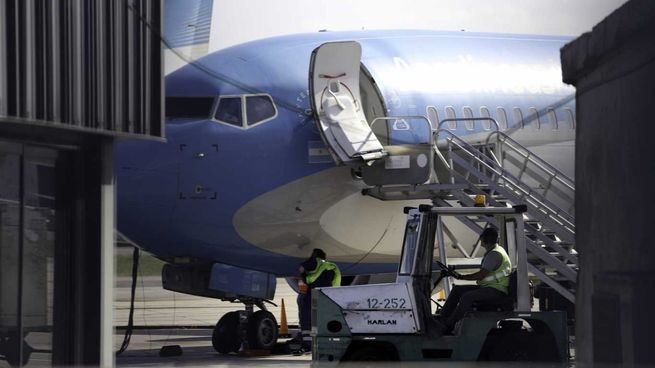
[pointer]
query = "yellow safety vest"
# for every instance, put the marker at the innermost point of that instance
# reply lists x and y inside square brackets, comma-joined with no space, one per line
[499,278]
[323,265]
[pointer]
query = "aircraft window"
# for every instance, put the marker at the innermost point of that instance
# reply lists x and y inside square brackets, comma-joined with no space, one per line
[451,114]
[433,116]
[534,118]
[189,107]
[570,118]
[468,113]
[259,109]
[501,115]
[229,111]
[518,118]
[552,118]
[484,112]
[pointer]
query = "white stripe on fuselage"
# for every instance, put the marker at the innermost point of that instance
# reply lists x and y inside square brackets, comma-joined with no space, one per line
[327,210]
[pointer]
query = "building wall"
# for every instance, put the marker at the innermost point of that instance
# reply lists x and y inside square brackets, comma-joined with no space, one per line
[613,69]
[92,65]
[74,76]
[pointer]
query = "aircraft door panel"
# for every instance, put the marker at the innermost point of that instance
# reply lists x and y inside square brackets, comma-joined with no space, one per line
[336,101]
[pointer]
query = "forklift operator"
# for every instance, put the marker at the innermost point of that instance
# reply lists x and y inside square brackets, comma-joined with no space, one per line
[492,281]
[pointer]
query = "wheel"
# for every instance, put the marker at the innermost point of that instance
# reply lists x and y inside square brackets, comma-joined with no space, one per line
[262,330]
[225,338]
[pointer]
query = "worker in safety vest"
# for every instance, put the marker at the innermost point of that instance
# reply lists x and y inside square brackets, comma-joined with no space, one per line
[492,281]
[314,272]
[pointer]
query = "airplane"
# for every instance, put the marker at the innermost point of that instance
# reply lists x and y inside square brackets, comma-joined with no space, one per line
[249,181]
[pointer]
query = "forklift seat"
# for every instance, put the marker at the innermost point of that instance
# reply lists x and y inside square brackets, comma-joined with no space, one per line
[504,304]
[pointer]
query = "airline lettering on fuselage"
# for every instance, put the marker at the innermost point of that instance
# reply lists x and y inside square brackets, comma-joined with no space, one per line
[466,74]
[382,322]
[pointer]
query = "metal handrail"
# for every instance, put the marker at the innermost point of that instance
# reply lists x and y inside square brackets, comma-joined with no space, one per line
[554,181]
[546,207]
[468,119]
[542,164]
[442,122]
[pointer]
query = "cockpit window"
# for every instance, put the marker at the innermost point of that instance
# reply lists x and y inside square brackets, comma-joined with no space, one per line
[189,107]
[229,111]
[259,109]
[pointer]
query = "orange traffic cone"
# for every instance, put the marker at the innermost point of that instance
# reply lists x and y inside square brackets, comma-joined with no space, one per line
[284,327]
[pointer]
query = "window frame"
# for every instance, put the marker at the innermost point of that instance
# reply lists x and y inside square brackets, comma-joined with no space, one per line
[535,118]
[451,113]
[519,119]
[245,109]
[552,118]
[501,116]
[244,112]
[468,114]
[485,113]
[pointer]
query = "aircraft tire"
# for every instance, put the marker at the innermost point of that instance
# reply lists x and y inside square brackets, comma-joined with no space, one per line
[262,330]
[225,338]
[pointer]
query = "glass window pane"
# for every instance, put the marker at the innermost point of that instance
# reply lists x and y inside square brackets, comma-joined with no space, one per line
[533,118]
[552,118]
[468,114]
[570,118]
[518,118]
[229,111]
[409,248]
[484,112]
[502,118]
[38,253]
[9,252]
[189,107]
[450,114]
[433,116]
[259,108]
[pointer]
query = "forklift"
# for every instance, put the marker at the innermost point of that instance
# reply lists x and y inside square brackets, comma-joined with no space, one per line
[394,322]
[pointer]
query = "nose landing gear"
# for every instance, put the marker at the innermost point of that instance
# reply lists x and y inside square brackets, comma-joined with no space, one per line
[239,331]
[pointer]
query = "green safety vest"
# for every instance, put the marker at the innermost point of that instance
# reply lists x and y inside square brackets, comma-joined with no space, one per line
[499,278]
[323,265]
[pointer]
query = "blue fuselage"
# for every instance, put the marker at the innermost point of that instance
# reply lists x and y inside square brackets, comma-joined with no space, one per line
[196,195]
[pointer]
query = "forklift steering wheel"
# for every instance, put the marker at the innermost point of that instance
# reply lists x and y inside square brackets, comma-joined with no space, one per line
[445,268]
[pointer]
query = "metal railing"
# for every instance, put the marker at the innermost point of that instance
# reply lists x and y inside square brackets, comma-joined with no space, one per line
[555,183]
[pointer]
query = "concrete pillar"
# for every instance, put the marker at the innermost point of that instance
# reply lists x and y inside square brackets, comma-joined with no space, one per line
[613,69]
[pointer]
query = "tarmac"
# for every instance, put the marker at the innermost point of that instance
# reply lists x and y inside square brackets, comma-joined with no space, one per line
[155,306]
[164,318]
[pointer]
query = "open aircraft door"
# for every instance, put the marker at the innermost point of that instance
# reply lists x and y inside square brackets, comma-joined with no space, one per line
[383,159]
[334,86]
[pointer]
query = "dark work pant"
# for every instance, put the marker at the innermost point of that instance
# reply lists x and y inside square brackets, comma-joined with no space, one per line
[305,311]
[461,299]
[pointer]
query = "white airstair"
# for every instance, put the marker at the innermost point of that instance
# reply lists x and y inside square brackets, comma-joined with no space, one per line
[495,165]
